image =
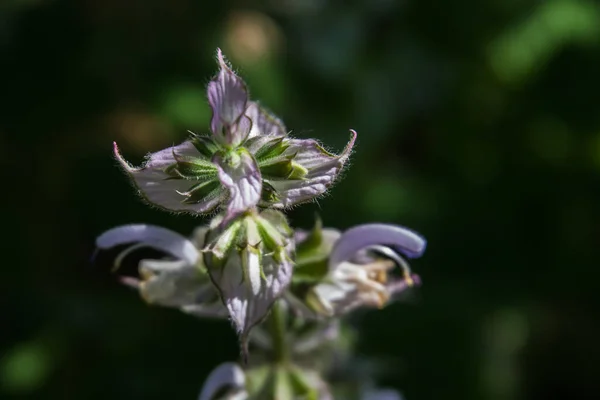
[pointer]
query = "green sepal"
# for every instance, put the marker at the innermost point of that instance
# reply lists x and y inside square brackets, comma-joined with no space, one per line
[193,169]
[201,191]
[312,256]
[312,243]
[205,145]
[268,194]
[271,149]
[310,272]
[279,167]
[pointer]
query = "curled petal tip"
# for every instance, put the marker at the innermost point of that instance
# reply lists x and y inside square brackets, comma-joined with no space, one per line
[350,145]
[402,240]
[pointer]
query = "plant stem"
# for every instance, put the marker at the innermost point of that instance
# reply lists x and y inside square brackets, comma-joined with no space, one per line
[277,327]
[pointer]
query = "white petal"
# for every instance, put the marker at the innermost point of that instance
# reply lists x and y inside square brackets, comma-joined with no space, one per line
[154,236]
[174,284]
[227,375]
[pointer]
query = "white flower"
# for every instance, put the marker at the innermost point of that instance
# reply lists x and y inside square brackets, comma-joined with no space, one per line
[181,281]
[360,267]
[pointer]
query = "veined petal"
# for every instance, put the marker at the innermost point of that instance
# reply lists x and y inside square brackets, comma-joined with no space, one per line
[263,122]
[246,307]
[402,240]
[227,377]
[228,99]
[240,174]
[153,236]
[320,170]
[160,188]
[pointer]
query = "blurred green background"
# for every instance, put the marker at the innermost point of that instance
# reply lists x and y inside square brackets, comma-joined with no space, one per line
[479,126]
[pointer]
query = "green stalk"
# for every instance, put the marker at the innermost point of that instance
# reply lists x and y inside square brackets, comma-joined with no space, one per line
[277,327]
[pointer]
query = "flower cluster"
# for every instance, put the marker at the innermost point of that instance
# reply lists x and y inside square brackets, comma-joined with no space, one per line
[247,260]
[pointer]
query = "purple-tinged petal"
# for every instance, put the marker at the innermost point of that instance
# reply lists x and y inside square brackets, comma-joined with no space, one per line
[159,188]
[247,307]
[402,240]
[320,167]
[228,99]
[227,376]
[254,272]
[153,236]
[240,174]
[263,122]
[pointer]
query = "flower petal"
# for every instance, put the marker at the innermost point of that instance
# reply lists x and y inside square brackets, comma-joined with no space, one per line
[153,236]
[240,174]
[226,376]
[263,122]
[174,283]
[161,189]
[247,307]
[317,171]
[402,240]
[228,99]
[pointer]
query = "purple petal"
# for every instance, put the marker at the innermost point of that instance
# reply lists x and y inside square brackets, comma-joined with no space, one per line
[157,187]
[323,169]
[240,174]
[246,307]
[154,236]
[263,122]
[228,99]
[402,240]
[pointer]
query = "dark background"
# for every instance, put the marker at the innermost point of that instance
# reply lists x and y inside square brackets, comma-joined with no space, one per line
[478,126]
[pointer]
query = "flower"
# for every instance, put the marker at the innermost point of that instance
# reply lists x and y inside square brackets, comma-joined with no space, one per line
[359,268]
[180,282]
[226,382]
[248,160]
[249,261]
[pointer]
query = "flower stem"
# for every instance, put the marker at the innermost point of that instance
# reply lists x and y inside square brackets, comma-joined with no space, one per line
[277,327]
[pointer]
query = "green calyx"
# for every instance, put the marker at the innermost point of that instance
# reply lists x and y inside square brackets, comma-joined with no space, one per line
[266,233]
[312,255]
[275,164]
